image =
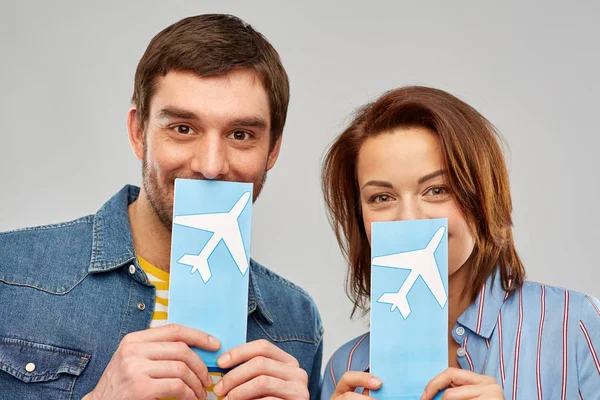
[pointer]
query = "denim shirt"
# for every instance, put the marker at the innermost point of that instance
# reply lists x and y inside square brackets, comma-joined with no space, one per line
[540,342]
[69,294]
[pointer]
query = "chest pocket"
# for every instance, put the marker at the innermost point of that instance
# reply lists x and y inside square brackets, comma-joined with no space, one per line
[31,370]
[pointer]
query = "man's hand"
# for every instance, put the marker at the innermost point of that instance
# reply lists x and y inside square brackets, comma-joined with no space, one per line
[157,363]
[266,371]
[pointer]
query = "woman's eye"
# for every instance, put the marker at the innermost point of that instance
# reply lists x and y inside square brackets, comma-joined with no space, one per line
[240,135]
[380,198]
[437,191]
[183,129]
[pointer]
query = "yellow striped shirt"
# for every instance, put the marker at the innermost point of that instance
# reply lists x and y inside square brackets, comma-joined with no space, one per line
[160,279]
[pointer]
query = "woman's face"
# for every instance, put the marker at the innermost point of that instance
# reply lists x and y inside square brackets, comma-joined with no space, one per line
[401,177]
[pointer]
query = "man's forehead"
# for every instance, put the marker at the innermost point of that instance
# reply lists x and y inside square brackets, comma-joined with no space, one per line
[237,95]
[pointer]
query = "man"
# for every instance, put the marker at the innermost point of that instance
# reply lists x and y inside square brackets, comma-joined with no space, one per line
[210,102]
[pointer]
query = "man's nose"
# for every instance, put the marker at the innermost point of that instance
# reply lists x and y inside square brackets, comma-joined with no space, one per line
[210,158]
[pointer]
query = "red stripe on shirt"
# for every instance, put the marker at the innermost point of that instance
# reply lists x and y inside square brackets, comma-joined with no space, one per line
[590,345]
[500,348]
[593,304]
[518,346]
[353,350]
[467,355]
[480,313]
[331,372]
[565,337]
[538,366]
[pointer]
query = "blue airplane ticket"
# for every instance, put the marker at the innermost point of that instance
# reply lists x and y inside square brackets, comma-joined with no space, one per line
[210,255]
[409,311]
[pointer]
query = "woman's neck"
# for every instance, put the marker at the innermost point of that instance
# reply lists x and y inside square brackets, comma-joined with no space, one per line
[457,301]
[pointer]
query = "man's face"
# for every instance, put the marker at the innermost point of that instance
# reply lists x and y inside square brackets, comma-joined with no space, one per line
[205,128]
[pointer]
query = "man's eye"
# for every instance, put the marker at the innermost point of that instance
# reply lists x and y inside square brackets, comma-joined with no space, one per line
[183,129]
[240,135]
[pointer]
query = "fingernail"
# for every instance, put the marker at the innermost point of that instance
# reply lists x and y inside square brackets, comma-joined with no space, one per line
[375,381]
[225,398]
[213,340]
[218,387]
[223,360]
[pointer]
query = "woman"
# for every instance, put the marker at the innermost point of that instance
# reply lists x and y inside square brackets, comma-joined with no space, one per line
[420,153]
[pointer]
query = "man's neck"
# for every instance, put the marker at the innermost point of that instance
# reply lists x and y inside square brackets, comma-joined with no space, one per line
[151,239]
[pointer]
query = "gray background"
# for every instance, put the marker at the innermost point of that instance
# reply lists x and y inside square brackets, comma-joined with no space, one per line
[67,77]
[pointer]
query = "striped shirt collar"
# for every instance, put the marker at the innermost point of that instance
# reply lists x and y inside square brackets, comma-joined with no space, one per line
[482,315]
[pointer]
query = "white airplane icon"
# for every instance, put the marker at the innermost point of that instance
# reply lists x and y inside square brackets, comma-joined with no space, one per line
[421,263]
[225,227]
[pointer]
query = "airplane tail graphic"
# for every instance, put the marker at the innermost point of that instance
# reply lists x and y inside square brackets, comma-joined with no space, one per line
[199,263]
[239,206]
[435,240]
[398,301]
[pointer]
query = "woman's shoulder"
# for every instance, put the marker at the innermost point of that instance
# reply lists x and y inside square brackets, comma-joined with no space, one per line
[573,318]
[558,296]
[352,356]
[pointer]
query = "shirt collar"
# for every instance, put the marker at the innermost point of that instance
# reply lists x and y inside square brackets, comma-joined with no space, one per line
[482,315]
[113,244]
[255,298]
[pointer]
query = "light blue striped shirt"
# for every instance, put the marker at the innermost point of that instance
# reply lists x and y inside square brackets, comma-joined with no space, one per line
[538,343]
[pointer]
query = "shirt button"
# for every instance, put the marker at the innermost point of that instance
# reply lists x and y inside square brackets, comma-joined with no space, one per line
[461,352]
[132,269]
[460,331]
[141,306]
[30,367]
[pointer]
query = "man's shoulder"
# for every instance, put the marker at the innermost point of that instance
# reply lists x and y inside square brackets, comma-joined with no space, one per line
[62,234]
[286,304]
[269,278]
[25,253]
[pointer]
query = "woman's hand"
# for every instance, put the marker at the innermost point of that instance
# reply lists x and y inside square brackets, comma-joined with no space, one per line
[463,385]
[352,380]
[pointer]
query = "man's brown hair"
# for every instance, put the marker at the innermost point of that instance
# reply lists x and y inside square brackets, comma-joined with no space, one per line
[476,172]
[213,45]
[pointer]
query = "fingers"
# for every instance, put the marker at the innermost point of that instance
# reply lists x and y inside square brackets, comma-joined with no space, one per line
[172,387]
[354,396]
[353,379]
[179,352]
[463,393]
[455,377]
[247,351]
[268,386]
[177,369]
[259,366]
[175,333]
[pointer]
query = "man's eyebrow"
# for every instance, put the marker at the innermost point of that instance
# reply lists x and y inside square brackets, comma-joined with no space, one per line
[180,113]
[431,176]
[249,122]
[384,184]
[176,112]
